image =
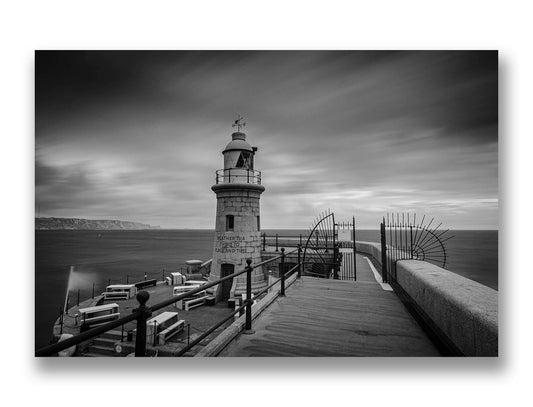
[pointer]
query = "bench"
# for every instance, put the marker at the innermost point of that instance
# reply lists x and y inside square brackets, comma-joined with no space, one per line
[193,303]
[116,295]
[169,332]
[146,283]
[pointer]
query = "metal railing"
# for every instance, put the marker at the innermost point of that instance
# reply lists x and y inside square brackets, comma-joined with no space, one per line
[403,238]
[238,176]
[142,313]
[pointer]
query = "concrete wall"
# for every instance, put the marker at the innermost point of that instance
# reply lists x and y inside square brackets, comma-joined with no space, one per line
[462,310]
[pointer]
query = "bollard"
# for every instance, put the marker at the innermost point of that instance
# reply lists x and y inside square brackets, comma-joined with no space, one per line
[248,325]
[300,260]
[282,271]
[142,316]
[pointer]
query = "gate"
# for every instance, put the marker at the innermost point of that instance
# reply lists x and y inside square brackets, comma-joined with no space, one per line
[347,250]
[321,252]
[402,238]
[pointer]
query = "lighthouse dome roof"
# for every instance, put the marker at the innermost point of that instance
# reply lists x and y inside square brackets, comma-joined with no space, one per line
[238,142]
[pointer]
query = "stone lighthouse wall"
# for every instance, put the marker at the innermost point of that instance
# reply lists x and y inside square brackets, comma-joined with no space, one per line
[235,246]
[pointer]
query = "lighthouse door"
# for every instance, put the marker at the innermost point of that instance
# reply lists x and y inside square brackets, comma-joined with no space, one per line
[226,270]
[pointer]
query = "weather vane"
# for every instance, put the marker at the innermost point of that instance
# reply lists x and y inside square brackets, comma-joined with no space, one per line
[238,123]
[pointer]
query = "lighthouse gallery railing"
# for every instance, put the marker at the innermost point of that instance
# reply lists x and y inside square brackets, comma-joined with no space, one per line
[238,176]
[142,313]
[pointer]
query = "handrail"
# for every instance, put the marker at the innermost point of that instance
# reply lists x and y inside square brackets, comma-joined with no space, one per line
[241,175]
[144,311]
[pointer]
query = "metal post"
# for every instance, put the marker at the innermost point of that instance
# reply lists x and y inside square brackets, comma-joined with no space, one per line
[335,262]
[282,271]
[277,242]
[354,252]
[299,260]
[78,302]
[142,316]
[383,253]
[248,324]
[411,233]
[60,320]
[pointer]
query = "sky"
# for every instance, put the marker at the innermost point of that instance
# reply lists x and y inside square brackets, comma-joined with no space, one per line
[138,136]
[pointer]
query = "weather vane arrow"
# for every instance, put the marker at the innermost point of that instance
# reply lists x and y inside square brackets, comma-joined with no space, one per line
[239,123]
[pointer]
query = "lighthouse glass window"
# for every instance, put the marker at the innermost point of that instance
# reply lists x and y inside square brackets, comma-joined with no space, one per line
[245,160]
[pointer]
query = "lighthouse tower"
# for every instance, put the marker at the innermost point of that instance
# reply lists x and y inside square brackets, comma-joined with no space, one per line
[237,227]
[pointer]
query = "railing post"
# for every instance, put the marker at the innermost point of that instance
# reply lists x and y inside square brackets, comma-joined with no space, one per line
[277,242]
[411,238]
[61,321]
[354,252]
[282,271]
[248,324]
[142,316]
[383,253]
[335,262]
[299,260]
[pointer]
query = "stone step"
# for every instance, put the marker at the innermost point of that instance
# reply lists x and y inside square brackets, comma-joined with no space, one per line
[93,355]
[113,334]
[102,350]
[107,342]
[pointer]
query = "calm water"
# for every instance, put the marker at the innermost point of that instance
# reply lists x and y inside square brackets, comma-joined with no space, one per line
[103,257]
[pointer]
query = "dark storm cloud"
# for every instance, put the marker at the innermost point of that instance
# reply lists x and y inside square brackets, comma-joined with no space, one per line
[336,129]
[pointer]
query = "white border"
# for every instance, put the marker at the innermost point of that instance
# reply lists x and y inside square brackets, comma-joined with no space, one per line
[275,24]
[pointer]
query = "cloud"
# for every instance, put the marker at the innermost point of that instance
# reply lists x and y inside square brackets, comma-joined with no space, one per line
[138,135]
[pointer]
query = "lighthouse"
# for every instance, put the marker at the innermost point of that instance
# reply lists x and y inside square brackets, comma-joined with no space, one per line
[238,221]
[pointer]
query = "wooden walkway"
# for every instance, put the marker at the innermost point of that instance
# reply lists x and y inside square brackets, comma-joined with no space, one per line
[320,317]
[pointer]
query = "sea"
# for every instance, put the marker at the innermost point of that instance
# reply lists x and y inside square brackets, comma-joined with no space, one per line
[100,258]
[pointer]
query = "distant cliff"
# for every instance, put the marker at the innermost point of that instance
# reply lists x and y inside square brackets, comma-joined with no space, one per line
[86,224]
